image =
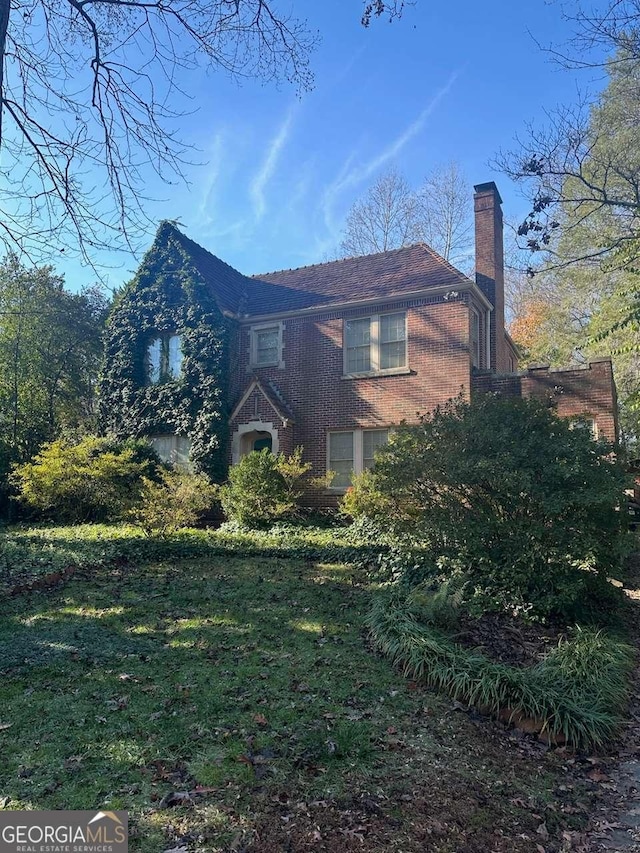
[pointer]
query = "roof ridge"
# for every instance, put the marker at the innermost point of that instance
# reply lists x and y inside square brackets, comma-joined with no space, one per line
[387,252]
[184,236]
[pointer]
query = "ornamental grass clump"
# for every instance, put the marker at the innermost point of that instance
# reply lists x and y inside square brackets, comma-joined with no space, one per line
[577,693]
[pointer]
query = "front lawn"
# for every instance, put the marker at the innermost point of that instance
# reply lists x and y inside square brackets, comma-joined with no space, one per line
[233,703]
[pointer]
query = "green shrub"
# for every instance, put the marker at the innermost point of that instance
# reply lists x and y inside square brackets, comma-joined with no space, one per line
[506,492]
[175,500]
[578,691]
[94,480]
[264,487]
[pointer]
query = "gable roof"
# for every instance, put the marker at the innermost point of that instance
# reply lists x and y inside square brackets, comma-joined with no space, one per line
[383,275]
[272,395]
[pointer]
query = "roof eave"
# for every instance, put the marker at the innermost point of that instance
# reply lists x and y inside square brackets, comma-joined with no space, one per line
[461,287]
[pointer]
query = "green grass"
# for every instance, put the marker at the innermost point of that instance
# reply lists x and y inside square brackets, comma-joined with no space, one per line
[250,678]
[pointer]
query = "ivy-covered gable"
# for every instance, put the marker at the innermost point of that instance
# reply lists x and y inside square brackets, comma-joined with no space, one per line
[169,298]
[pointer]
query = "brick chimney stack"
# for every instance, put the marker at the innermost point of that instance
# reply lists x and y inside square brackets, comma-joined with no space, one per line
[490,265]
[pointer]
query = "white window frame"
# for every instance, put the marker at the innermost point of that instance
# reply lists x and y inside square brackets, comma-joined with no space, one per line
[358,448]
[585,421]
[374,348]
[253,345]
[164,368]
[173,455]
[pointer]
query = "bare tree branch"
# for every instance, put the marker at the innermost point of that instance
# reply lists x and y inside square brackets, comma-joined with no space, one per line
[92,93]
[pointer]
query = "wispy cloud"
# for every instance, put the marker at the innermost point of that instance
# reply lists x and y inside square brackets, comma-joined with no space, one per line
[214,168]
[349,177]
[268,167]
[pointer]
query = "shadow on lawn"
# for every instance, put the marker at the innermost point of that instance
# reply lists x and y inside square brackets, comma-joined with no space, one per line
[235,674]
[109,674]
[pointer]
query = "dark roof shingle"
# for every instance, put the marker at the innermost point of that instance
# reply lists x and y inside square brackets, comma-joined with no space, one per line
[387,274]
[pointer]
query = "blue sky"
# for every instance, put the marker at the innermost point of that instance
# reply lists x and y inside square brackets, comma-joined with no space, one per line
[278,173]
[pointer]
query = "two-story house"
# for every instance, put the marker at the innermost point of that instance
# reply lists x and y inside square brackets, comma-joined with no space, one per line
[329,356]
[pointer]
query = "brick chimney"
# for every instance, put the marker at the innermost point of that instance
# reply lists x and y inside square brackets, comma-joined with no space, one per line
[490,265]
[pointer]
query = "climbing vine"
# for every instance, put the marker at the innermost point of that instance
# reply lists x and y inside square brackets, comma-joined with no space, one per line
[169,296]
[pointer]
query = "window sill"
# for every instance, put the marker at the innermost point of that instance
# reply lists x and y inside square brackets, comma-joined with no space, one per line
[369,374]
[277,364]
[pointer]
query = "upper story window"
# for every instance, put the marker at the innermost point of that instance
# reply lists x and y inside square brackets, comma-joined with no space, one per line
[375,344]
[164,358]
[474,338]
[266,345]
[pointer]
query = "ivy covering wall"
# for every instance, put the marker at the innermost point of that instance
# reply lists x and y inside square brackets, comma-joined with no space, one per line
[169,296]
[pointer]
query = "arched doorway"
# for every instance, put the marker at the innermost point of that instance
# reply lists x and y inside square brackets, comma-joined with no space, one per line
[256,435]
[256,441]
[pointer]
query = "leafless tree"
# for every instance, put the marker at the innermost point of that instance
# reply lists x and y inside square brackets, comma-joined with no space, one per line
[91,96]
[582,166]
[392,215]
[388,217]
[445,203]
[599,31]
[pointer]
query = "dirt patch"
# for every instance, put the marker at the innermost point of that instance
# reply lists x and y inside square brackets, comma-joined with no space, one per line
[508,640]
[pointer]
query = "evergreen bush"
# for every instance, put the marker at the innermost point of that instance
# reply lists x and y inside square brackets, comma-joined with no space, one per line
[264,487]
[95,479]
[508,494]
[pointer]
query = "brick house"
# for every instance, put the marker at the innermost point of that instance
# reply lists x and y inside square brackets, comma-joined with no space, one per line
[331,356]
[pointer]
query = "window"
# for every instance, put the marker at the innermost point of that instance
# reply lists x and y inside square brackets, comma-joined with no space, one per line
[353,451]
[375,344]
[341,458]
[475,338]
[372,439]
[585,422]
[266,345]
[173,449]
[164,359]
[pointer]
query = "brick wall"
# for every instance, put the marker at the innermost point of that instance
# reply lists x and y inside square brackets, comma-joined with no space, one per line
[490,265]
[589,391]
[321,400]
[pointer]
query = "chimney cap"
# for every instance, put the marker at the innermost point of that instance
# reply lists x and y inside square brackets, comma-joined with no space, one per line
[488,187]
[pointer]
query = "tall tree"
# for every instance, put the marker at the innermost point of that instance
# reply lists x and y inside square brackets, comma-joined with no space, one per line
[89,102]
[392,214]
[582,173]
[50,351]
[445,200]
[388,217]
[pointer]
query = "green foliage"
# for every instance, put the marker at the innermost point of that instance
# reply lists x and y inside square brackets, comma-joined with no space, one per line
[169,295]
[264,487]
[176,500]
[579,690]
[95,479]
[50,348]
[508,494]
[583,301]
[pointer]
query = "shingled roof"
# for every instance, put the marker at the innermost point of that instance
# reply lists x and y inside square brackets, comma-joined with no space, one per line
[386,274]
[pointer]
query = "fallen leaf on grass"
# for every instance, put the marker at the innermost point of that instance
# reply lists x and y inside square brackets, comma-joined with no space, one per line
[597,775]
[542,830]
[5,726]
[260,719]
[182,798]
[119,703]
